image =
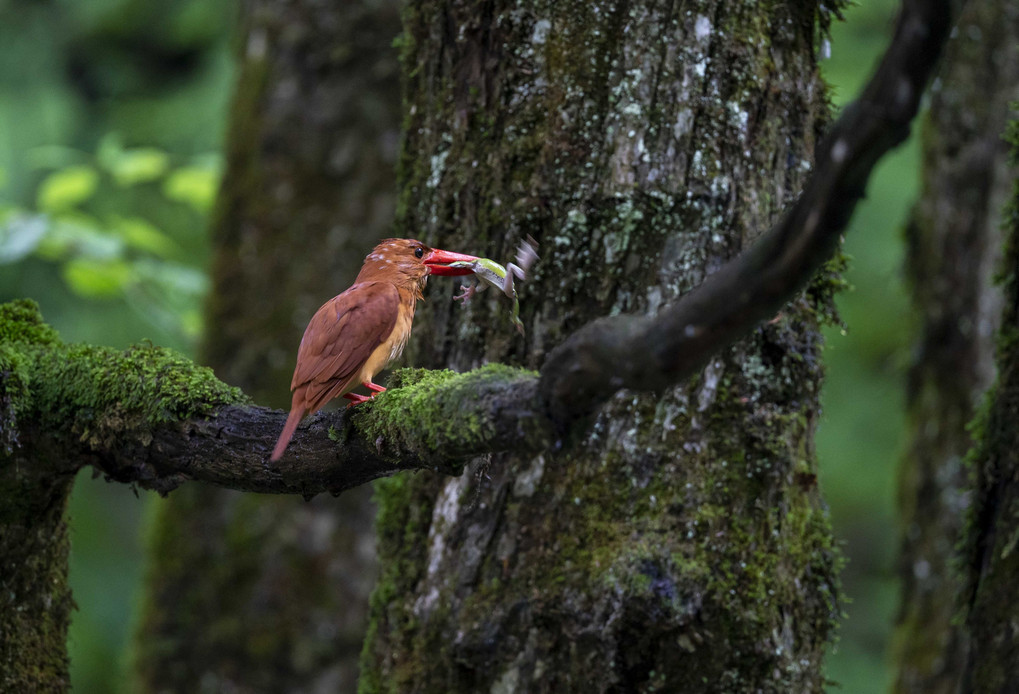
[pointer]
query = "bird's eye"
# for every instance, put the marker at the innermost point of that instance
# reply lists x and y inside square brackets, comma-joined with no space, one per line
[418,252]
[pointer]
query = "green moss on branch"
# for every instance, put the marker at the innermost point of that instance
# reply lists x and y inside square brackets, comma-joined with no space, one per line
[98,390]
[21,321]
[95,391]
[425,411]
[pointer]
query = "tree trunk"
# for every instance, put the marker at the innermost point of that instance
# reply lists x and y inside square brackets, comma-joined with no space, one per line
[276,588]
[954,246]
[681,545]
[35,598]
[991,560]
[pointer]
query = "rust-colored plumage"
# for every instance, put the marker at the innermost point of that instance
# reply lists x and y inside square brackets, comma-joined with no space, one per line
[354,335]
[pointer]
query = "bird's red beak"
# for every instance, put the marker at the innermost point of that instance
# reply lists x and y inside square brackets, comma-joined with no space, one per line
[437,261]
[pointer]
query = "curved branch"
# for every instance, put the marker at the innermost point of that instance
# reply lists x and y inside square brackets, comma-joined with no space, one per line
[649,352]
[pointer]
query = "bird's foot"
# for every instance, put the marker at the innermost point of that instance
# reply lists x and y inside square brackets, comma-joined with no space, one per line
[356,399]
[373,387]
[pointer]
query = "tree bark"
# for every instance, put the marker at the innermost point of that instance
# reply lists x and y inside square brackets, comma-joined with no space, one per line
[35,603]
[990,560]
[954,247]
[277,587]
[35,598]
[679,543]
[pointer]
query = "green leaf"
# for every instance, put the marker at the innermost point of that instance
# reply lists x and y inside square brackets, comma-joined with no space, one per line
[20,234]
[132,166]
[191,324]
[97,278]
[172,278]
[144,236]
[64,189]
[193,186]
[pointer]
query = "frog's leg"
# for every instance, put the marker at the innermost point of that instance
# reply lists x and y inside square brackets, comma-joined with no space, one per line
[467,291]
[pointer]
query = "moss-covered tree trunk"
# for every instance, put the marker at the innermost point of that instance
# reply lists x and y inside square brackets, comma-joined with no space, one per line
[247,593]
[992,559]
[680,544]
[954,246]
[35,598]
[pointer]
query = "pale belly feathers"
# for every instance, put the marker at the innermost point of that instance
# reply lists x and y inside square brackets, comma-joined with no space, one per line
[391,349]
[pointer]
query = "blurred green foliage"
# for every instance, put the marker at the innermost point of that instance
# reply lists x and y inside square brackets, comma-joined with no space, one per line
[111,120]
[83,219]
[109,110]
[861,437]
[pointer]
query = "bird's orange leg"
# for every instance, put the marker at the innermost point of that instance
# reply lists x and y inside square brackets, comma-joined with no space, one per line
[355,399]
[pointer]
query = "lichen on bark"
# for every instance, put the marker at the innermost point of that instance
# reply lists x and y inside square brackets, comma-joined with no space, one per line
[642,145]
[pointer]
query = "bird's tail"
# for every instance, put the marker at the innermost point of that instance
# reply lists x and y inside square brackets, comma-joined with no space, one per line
[296,415]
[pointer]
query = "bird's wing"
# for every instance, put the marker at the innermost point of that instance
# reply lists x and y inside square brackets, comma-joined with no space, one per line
[341,336]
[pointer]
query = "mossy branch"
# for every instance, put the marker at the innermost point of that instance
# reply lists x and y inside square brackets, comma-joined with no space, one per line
[436,420]
[151,417]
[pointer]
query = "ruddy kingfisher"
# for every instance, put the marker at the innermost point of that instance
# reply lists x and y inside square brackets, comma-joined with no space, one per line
[354,335]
